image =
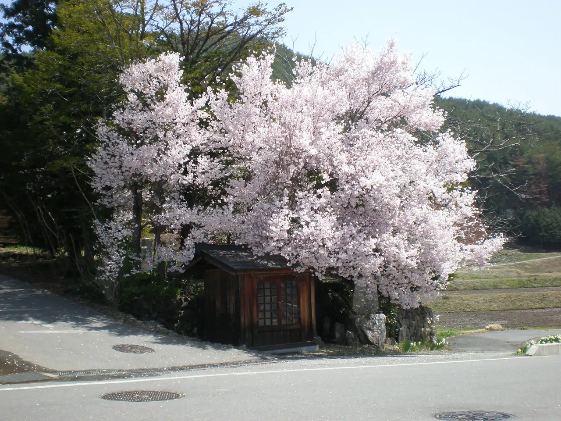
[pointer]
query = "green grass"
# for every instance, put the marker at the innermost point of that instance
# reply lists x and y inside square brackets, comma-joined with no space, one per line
[25,251]
[513,256]
[550,268]
[447,332]
[483,284]
[497,301]
[22,249]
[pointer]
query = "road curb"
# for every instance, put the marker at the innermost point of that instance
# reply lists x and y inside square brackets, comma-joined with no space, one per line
[544,349]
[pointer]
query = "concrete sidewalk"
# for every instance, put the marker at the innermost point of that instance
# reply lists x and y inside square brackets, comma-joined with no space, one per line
[53,332]
[507,341]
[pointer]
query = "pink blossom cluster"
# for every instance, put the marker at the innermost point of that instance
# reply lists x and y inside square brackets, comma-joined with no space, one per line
[331,173]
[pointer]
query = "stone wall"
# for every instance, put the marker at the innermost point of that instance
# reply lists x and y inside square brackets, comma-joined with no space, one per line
[416,325]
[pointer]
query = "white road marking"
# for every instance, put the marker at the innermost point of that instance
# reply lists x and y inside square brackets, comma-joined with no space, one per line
[20,309]
[52,331]
[251,373]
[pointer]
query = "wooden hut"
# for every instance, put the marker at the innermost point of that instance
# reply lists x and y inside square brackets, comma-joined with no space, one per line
[256,301]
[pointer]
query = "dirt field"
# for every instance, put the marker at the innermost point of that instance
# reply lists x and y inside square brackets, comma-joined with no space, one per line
[521,288]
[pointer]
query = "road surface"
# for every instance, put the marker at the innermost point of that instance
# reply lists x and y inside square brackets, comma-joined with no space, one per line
[60,335]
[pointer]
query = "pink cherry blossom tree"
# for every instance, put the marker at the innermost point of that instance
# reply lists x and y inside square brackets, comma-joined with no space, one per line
[345,172]
[151,150]
[333,174]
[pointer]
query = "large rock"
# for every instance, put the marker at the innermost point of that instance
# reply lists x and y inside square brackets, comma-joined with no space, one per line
[372,329]
[370,326]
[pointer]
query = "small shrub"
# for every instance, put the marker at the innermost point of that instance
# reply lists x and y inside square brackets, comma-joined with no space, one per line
[408,346]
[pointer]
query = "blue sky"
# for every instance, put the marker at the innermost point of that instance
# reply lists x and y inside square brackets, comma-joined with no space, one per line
[508,49]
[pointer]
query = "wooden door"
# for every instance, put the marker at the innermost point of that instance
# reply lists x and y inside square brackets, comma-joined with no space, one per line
[281,310]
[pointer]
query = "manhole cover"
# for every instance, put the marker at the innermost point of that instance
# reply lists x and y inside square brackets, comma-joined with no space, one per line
[474,416]
[132,349]
[141,396]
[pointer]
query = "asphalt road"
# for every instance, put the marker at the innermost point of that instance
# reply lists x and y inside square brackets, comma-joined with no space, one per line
[407,388]
[507,341]
[41,328]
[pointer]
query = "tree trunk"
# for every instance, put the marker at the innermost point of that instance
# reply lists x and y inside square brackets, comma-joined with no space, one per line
[161,269]
[184,233]
[370,326]
[137,220]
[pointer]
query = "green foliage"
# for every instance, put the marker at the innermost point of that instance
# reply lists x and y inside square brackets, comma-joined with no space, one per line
[50,114]
[543,225]
[86,291]
[212,38]
[284,63]
[334,299]
[145,286]
[176,304]
[29,24]
[391,311]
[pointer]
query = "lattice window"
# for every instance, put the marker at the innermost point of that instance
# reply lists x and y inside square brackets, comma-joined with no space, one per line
[267,303]
[276,297]
[290,313]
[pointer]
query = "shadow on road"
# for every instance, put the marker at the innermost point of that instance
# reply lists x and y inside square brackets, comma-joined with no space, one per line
[23,303]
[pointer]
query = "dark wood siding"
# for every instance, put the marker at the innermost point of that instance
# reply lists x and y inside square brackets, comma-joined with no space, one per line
[222,307]
[246,310]
[238,312]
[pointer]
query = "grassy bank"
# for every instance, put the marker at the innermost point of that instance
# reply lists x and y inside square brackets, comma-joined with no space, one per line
[515,280]
[492,301]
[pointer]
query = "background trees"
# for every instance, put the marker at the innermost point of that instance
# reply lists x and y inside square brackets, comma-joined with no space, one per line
[518,158]
[51,105]
[29,25]
[61,62]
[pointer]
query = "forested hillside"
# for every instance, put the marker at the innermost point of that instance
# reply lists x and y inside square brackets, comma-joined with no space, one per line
[519,166]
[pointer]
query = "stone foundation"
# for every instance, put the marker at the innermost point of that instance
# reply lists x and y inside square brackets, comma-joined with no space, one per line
[416,325]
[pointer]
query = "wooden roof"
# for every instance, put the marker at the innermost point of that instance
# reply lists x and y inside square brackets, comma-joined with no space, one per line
[238,259]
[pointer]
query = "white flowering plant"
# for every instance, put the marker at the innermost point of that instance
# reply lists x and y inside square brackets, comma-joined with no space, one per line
[551,339]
